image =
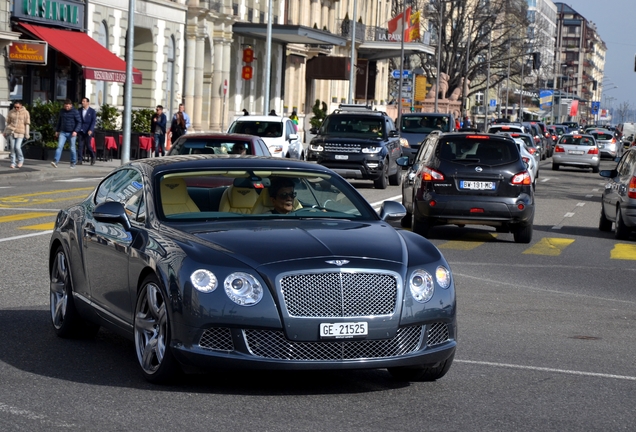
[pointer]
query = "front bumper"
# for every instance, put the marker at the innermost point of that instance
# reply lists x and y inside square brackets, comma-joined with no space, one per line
[365,166]
[270,349]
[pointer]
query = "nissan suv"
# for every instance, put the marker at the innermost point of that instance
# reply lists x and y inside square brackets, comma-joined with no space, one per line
[468,179]
[618,203]
[359,143]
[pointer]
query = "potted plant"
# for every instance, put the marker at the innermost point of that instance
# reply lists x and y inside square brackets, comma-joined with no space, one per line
[44,117]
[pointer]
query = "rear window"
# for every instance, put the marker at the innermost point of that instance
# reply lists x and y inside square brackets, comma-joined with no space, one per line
[483,150]
[602,136]
[260,128]
[425,124]
[497,129]
[577,140]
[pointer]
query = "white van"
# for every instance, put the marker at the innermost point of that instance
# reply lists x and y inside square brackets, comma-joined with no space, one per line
[629,132]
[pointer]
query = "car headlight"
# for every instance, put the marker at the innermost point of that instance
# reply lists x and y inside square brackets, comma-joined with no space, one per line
[243,289]
[443,277]
[316,147]
[404,143]
[371,149]
[203,280]
[421,286]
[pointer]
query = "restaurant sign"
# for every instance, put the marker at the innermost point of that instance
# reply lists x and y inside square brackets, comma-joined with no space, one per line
[28,52]
[68,13]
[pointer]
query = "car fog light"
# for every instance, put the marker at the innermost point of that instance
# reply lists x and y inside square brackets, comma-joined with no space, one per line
[520,206]
[203,280]
[421,285]
[243,289]
[372,165]
[443,277]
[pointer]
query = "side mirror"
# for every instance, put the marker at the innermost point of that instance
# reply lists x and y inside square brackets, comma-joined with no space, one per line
[608,173]
[313,130]
[292,137]
[404,161]
[392,210]
[393,133]
[112,212]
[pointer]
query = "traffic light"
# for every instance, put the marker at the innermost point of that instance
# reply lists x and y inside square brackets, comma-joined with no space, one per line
[247,72]
[248,55]
[536,60]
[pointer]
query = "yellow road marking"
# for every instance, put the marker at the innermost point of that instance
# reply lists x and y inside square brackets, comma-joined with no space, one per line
[623,251]
[38,197]
[40,227]
[549,246]
[24,216]
[468,242]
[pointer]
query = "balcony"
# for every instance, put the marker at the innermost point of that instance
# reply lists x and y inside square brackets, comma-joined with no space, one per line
[346,28]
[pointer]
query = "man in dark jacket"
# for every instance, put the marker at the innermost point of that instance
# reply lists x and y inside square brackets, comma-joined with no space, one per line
[89,116]
[69,123]
[158,128]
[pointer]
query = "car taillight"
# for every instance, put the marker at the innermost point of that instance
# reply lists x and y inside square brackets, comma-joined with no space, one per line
[532,150]
[631,192]
[613,140]
[559,149]
[523,178]
[526,159]
[593,150]
[429,174]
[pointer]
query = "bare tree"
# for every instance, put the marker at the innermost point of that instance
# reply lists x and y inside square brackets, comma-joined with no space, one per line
[623,111]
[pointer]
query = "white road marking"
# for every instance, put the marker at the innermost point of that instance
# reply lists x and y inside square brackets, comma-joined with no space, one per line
[557,227]
[545,179]
[568,214]
[30,415]
[25,236]
[595,190]
[581,204]
[589,196]
[545,369]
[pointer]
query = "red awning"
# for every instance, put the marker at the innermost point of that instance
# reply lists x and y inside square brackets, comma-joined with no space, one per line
[98,63]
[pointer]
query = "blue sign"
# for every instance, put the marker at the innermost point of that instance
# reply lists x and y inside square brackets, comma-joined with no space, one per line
[395,73]
[493,103]
[545,99]
[596,106]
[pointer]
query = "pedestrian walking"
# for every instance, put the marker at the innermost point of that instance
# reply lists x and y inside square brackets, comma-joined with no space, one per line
[245,112]
[178,127]
[18,121]
[69,123]
[158,128]
[273,113]
[186,117]
[294,118]
[89,117]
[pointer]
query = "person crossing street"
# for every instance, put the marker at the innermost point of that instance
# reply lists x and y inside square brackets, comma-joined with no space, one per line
[89,116]
[69,123]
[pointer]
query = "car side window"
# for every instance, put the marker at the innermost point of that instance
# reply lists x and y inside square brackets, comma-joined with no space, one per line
[427,149]
[625,166]
[127,188]
[102,190]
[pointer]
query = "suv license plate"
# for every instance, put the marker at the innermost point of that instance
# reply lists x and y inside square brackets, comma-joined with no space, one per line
[342,157]
[476,185]
[576,152]
[345,330]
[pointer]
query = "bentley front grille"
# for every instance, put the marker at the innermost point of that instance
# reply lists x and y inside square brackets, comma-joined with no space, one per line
[330,295]
[217,339]
[273,345]
[437,334]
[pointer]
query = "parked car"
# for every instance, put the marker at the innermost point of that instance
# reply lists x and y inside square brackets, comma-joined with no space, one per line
[572,126]
[468,179]
[540,139]
[618,202]
[279,133]
[415,127]
[219,143]
[530,145]
[308,276]
[607,143]
[576,150]
[359,143]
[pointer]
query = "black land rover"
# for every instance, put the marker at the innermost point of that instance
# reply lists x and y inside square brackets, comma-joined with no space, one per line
[357,142]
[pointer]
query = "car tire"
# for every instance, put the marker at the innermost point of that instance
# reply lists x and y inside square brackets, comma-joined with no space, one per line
[621,231]
[420,226]
[422,373]
[596,169]
[396,179]
[555,166]
[152,334]
[383,181]
[523,234]
[604,224]
[64,316]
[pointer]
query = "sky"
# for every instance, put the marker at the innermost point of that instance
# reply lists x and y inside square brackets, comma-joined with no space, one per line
[616,24]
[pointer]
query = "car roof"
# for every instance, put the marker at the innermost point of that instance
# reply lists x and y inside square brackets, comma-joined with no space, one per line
[260,118]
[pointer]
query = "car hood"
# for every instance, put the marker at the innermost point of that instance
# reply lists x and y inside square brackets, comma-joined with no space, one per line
[258,243]
[322,139]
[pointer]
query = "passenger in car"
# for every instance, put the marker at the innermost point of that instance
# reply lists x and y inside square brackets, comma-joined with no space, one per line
[282,194]
[239,149]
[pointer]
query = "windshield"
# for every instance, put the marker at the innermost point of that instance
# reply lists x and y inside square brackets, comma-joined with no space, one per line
[265,129]
[258,194]
[424,124]
[363,127]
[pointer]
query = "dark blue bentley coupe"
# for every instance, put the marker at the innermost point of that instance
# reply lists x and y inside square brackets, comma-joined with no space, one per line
[210,262]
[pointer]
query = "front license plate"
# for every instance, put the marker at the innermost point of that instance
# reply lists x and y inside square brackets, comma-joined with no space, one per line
[578,152]
[345,330]
[476,185]
[342,157]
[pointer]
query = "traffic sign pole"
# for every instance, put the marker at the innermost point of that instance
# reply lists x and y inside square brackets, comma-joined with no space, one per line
[223,109]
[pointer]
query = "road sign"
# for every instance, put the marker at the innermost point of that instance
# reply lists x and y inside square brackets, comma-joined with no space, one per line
[224,87]
[396,73]
[493,103]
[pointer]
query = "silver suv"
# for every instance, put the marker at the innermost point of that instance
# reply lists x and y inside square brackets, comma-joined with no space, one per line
[618,204]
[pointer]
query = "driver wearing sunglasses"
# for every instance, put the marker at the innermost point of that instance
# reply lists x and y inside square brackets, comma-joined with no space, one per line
[282,194]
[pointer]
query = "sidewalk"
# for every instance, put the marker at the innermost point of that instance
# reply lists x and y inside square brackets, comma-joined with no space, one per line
[42,170]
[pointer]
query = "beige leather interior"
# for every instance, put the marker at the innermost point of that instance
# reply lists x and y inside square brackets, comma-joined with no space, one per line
[175,198]
[239,198]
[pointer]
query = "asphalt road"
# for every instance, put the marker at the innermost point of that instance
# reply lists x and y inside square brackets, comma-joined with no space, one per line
[546,338]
